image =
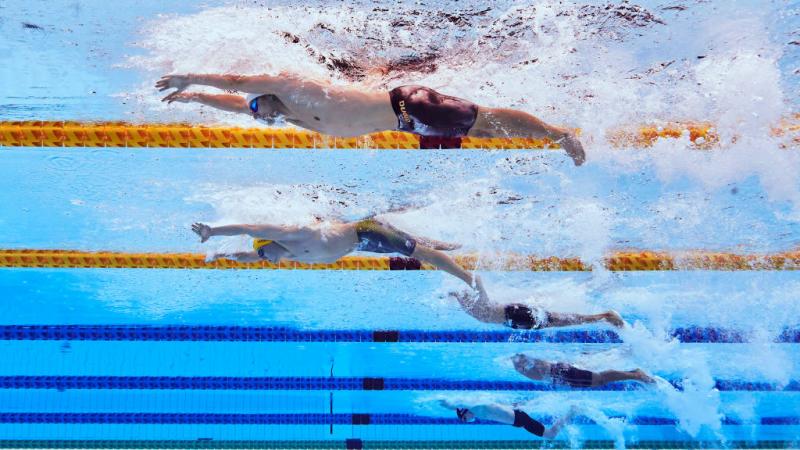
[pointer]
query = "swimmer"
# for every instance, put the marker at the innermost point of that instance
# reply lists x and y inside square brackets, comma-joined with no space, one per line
[342,111]
[568,375]
[496,412]
[521,316]
[328,242]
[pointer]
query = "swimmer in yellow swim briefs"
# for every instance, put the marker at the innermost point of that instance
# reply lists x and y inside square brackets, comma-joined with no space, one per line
[342,111]
[328,242]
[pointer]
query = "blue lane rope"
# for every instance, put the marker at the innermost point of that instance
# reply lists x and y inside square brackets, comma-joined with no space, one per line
[322,419]
[359,444]
[339,384]
[285,334]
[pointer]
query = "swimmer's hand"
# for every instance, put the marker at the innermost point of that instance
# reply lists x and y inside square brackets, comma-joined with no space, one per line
[202,230]
[614,318]
[574,148]
[179,82]
[180,97]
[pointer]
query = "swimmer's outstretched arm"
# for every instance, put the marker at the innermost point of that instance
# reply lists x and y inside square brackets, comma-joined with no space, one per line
[244,257]
[273,232]
[225,102]
[253,84]
[478,305]
[552,432]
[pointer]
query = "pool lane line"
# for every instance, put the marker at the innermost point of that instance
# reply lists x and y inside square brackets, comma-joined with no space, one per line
[369,444]
[629,260]
[325,418]
[233,333]
[66,382]
[172,135]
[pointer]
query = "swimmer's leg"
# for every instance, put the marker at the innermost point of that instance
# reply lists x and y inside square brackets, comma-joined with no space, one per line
[430,243]
[437,245]
[503,122]
[610,376]
[566,320]
[444,262]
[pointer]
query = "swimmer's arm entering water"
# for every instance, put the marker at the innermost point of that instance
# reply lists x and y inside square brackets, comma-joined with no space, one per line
[225,102]
[271,232]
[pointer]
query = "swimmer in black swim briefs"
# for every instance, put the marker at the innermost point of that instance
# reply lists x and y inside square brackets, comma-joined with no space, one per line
[524,317]
[328,242]
[568,375]
[495,412]
[341,111]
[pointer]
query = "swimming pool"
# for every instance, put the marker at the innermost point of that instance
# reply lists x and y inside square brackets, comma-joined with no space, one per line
[172,358]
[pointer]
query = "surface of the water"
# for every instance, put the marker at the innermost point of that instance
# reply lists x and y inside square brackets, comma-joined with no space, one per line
[97,61]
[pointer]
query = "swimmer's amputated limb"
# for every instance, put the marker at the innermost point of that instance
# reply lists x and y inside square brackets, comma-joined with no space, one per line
[494,122]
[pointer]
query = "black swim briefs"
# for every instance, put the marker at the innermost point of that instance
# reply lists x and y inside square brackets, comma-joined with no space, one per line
[523,420]
[519,316]
[425,112]
[378,237]
[562,373]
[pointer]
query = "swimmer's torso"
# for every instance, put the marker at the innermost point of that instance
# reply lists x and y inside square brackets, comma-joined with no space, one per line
[337,115]
[326,243]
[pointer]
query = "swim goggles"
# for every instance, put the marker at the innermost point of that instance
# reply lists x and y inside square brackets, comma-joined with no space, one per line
[254,105]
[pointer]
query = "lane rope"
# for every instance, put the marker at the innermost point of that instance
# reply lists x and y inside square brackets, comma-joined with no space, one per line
[640,260]
[325,419]
[368,444]
[237,333]
[121,134]
[209,383]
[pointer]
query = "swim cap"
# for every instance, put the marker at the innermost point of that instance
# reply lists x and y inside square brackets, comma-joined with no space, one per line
[258,243]
[461,412]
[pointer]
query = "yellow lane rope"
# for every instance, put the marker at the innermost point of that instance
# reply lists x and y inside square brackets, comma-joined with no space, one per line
[120,134]
[617,261]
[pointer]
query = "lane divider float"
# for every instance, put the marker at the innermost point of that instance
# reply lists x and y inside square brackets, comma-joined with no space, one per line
[122,134]
[640,260]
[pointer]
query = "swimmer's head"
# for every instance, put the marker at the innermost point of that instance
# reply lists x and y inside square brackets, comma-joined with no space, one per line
[519,360]
[263,108]
[530,367]
[465,415]
[270,250]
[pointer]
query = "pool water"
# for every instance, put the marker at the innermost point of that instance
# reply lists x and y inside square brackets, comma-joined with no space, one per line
[148,358]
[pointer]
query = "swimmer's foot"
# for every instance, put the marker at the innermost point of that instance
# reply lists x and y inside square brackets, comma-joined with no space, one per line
[614,318]
[643,377]
[574,148]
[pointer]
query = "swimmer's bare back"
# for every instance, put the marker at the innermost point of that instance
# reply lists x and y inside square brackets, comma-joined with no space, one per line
[347,111]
